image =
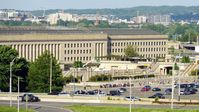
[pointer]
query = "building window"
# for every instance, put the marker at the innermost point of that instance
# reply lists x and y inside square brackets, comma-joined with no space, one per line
[68,51]
[74,51]
[90,51]
[71,45]
[68,59]
[87,45]
[68,45]
[74,45]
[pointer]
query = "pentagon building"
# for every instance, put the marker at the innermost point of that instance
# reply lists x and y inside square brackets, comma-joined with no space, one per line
[69,45]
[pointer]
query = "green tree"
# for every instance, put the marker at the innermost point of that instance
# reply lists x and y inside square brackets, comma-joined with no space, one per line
[19,68]
[130,51]
[185,59]
[39,74]
[77,64]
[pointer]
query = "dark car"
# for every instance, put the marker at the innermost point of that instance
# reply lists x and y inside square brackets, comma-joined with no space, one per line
[168,91]
[29,98]
[90,93]
[157,95]
[146,88]
[191,90]
[114,93]
[182,92]
[156,89]
[80,92]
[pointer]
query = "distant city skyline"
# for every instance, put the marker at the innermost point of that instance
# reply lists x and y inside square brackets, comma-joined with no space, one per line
[89,4]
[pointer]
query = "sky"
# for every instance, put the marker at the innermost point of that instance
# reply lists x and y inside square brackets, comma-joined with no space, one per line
[87,4]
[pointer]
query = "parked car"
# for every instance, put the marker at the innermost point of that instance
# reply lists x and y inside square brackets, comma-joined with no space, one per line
[182,92]
[168,91]
[114,93]
[63,93]
[80,92]
[133,98]
[146,88]
[156,89]
[157,95]
[91,93]
[122,90]
[30,98]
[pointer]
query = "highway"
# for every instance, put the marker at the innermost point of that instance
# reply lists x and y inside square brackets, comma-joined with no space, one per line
[58,106]
[40,106]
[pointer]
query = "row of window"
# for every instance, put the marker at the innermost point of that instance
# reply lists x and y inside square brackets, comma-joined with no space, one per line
[138,43]
[86,58]
[140,50]
[153,55]
[88,51]
[73,45]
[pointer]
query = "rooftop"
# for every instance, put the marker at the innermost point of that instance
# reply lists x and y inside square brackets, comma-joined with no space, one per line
[45,30]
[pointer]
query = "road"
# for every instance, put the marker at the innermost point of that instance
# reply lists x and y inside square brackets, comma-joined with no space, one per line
[40,106]
[58,106]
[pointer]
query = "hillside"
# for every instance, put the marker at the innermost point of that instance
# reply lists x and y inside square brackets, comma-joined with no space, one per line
[177,11]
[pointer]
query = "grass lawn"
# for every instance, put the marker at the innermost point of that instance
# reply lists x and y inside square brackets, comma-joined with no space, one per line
[12,109]
[82,108]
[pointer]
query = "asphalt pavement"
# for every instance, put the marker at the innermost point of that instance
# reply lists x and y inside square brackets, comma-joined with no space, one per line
[58,106]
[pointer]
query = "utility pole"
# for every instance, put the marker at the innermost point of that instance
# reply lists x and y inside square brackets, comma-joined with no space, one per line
[18,95]
[173,75]
[51,73]
[10,89]
[130,106]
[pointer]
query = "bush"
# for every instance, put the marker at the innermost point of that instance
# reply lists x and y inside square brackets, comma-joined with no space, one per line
[98,78]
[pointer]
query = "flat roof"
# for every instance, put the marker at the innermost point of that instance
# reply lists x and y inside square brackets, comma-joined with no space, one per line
[46,30]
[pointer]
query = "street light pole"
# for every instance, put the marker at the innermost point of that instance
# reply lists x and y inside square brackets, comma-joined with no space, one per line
[18,96]
[130,106]
[10,88]
[50,73]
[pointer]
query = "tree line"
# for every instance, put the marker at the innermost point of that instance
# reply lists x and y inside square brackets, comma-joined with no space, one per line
[34,76]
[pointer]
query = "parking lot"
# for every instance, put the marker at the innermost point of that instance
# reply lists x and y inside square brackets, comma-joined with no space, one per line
[136,91]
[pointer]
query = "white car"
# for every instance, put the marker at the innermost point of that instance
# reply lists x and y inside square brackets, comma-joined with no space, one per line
[132,98]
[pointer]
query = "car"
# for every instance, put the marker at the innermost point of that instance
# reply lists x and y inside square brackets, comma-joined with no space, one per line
[182,92]
[133,98]
[114,93]
[29,98]
[146,88]
[196,86]
[168,91]
[157,95]
[191,90]
[122,90]
[80,92]
[63,93]
[90,93]
[156,89]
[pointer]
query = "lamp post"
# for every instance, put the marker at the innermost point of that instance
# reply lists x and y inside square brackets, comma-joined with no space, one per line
[51,73]
[18,95]
[10,88]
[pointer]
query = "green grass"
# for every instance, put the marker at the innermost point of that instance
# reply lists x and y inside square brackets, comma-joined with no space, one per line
[12,109]
[82,108]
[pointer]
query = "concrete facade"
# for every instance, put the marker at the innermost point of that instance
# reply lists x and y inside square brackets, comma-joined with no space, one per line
[75,45]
